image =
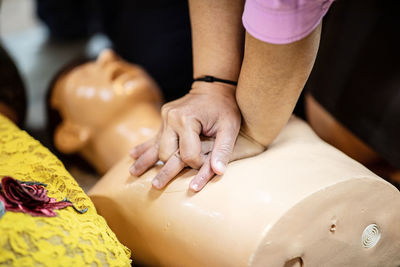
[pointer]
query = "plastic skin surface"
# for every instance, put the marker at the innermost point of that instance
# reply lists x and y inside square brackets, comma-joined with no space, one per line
[107,107]
[300,203]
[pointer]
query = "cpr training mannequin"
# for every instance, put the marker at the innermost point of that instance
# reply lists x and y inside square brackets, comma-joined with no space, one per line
[97,101]
[301,202]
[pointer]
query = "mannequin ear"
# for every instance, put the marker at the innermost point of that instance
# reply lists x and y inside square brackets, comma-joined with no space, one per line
[70,138]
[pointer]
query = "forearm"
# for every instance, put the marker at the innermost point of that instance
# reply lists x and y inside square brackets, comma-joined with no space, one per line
[271,80]
[217,37]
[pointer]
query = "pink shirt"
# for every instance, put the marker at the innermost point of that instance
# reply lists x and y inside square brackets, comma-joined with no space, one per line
[283,21]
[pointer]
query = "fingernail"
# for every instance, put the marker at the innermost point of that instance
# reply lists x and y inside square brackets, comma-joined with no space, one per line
[221,167]
[195,187]
[156,183]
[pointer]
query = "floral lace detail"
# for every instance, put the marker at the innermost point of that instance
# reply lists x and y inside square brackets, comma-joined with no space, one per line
[70,239]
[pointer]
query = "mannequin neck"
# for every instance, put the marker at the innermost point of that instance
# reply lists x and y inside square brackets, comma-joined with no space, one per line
[108,145]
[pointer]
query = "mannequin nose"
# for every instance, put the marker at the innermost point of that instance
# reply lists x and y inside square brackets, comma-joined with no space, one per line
[106,56]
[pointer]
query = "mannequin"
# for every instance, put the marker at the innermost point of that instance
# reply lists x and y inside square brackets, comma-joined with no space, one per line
[300,203]
[97,101]
[260,213]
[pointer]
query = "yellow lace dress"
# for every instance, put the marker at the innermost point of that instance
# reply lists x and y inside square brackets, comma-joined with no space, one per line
[70,238]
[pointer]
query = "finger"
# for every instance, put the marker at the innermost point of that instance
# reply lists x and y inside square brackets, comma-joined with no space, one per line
[223,147]
[202,177]
[138,150]
[207,144]
[168,144]
[145,161]
[171,168]
[190,147]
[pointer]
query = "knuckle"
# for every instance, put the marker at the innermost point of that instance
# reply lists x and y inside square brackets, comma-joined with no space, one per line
[173,114]
[180,116]
[163,156]
[165,150]
[186,158]
[231,126]
[165,109]
[139,148]
[191,159]
[163,175]
[184,119]
[138,165]
[164,153]
[224,149]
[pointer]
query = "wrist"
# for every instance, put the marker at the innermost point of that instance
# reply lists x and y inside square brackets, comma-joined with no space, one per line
[211,79]
[214,88]
[247,135]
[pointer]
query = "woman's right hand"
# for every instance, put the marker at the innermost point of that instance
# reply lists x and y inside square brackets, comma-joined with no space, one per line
[209,110]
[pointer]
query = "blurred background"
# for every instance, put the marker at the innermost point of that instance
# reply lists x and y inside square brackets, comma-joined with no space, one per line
[38,58]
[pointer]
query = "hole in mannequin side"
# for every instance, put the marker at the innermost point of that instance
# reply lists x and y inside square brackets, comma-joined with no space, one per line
[296,262]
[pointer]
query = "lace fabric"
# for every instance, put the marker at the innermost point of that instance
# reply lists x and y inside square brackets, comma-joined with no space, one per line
[70,239]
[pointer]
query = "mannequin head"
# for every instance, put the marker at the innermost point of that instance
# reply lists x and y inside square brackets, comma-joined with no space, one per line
[102,99]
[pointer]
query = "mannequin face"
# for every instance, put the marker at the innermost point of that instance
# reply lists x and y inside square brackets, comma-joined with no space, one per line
[95,94]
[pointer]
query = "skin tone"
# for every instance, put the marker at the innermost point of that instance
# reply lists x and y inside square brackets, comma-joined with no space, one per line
[271,80]
[270,76]
[220,116]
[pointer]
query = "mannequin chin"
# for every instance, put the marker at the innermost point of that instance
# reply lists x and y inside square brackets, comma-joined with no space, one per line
[106,107]
[300,203]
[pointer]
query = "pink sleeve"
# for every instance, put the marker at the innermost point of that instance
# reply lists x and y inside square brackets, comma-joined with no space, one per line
[283,21]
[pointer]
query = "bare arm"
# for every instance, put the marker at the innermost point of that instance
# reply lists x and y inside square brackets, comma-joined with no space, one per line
[209,109]
[217,37]
[271,80]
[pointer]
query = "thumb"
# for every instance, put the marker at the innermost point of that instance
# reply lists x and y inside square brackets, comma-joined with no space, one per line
[222,150]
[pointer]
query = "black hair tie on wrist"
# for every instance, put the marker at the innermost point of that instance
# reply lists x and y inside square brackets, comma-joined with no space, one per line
[211,79]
